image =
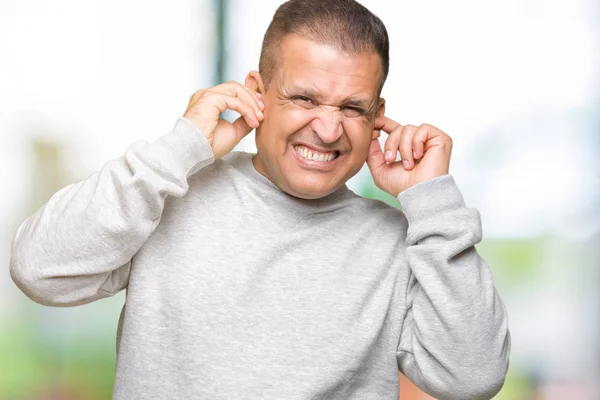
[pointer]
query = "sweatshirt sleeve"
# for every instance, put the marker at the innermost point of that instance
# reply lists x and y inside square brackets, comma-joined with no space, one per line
[77,247]
[455,341]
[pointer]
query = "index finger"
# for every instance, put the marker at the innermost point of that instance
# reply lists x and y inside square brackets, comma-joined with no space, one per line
[256,96]
[386,124]
[245,94]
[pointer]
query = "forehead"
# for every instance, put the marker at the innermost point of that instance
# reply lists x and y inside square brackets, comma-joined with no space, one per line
[307,64]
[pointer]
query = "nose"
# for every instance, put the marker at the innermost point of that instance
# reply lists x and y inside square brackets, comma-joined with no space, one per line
[328,124]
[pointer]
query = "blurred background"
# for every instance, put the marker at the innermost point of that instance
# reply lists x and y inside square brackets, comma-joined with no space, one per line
[515,83]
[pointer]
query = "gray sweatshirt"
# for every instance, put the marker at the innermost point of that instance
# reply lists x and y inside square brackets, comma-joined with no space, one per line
[236,290]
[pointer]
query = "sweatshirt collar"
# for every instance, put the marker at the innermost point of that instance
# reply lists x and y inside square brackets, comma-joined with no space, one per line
[276,197]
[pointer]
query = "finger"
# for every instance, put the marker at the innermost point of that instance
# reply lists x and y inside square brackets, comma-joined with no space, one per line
[375,158]
[238,90]
[194,97]
[254,101]
[386,124]
[419,140]
[406,147]
[392,144]
[225,101]
[256,96]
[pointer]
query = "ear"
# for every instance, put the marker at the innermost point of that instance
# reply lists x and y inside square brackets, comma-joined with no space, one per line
[254,82]
[380,113]
[381,107]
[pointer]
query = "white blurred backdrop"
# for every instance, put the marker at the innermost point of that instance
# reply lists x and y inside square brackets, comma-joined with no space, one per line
[515,84]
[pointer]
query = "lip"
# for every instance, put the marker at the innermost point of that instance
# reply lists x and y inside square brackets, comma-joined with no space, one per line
[315,165]
[316,148]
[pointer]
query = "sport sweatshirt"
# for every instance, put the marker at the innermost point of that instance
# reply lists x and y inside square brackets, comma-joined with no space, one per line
[237,290]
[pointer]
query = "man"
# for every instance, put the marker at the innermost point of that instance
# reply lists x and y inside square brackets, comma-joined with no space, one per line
[263,276]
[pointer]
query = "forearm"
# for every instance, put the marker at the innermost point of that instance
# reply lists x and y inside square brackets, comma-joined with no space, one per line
[455,340]
[77,246]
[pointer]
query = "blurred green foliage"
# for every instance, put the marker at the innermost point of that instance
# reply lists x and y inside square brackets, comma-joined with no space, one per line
[36,369]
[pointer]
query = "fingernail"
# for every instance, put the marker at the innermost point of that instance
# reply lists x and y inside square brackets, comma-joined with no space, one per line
[388,154]
[258,94]
[405,163]
[414,154]
[262,105]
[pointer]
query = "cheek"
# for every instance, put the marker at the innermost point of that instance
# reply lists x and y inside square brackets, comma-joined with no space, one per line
[295,119]
[359,135]
[284,122]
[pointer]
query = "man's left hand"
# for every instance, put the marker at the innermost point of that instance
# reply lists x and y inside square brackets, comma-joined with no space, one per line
[425,151]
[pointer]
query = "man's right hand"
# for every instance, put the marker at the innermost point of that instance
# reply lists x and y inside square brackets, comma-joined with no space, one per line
[206,105]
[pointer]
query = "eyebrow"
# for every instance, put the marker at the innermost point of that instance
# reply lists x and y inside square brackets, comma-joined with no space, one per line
[357,103]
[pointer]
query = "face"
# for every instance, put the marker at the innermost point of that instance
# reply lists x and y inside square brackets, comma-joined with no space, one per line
[320,107]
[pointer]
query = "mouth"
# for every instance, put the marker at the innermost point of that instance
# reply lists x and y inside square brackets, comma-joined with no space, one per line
[314,156]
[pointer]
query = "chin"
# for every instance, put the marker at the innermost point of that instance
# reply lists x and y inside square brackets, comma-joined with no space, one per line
[304,180]
[307,195]
[309,180]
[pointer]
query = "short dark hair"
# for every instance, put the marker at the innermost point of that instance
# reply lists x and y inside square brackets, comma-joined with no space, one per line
[344,24]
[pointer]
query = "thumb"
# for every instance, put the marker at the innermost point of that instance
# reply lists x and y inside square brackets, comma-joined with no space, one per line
[241,128]
[375,159]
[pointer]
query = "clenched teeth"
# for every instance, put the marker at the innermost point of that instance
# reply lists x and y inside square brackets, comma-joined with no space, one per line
[309,154]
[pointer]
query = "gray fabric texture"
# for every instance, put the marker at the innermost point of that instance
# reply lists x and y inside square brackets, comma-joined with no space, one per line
[236,290]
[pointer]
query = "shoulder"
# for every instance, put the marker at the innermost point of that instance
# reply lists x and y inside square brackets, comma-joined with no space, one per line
[375,221]
[220,170]
[375,209]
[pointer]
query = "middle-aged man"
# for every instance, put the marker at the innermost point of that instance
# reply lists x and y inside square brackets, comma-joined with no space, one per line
[263,276]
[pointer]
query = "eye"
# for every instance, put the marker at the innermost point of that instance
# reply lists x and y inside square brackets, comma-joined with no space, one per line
[353,112]
[303,99]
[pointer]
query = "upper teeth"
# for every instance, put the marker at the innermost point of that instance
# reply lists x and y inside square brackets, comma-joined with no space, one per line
[309,154]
